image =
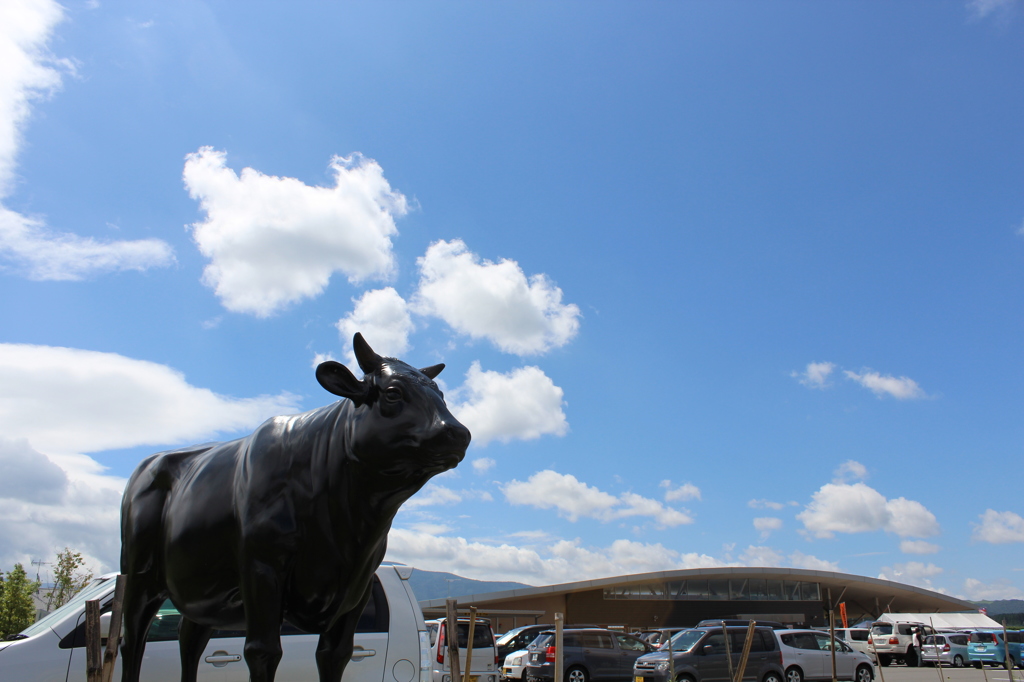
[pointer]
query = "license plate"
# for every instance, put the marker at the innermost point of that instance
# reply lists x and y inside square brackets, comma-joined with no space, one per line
[639,679]
[979,648]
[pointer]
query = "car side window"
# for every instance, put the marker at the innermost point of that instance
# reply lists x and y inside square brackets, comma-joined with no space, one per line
[716,642]
[597,640]
[627,643]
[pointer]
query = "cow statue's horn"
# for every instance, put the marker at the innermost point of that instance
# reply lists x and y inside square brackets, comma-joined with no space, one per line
[368,361]
[433,370]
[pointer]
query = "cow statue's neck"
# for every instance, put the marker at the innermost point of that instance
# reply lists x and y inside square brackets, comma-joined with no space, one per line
[288,522]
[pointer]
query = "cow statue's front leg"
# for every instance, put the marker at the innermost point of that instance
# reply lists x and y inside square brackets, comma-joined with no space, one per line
[334,649]
[261,595]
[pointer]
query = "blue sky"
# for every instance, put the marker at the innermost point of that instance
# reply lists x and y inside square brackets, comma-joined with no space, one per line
[715,283]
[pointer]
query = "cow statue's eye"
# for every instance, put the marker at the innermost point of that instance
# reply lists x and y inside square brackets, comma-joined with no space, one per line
[393,394]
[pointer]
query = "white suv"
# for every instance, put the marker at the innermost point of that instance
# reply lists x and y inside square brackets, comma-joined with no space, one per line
[895,641]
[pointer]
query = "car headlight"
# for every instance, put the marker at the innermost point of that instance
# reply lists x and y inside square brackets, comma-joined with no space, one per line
[518,660]
[662,665]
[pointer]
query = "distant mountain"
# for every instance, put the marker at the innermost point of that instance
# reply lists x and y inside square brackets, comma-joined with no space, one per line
[1001,606]
[437,585]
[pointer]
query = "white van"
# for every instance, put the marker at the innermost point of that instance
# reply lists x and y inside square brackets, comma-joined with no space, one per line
[391,643]
[485,663]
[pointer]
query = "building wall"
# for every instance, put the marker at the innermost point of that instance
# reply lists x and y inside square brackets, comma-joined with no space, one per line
[592,608]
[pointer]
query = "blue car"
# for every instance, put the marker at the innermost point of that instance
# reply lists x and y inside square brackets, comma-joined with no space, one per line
[987,646]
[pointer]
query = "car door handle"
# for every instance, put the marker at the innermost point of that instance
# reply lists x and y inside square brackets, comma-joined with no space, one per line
[222,658]
[360,652]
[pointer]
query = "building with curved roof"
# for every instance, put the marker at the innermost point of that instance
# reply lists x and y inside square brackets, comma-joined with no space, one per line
[681,598]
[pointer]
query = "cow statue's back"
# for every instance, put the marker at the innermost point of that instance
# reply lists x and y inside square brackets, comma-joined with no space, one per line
[290,522]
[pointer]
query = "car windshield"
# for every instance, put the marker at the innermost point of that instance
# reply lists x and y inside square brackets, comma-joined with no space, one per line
[881,629]
[508,636]
[92,591]
[685,640]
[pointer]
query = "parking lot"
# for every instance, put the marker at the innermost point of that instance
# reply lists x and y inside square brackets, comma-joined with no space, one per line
[903,674]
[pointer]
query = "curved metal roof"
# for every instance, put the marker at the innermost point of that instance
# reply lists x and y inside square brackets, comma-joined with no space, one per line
[892,596]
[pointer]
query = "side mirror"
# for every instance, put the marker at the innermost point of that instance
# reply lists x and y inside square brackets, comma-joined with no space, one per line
[708,648]
[105,625]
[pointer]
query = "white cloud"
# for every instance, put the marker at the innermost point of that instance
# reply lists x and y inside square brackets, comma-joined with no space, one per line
[383,319]
[66,400]
[557,562]
[493,301]
[522,404]
[273,241]
[29,476]
[815,375]
[48,503]
[575,499]
[483,464]
[999,527]
[911,573]
[918,547]
[46,255]
[984,8]
[686,491]
[768,504]
[850,471]
[433,495]
[765,525]
[978,591]
[902,388]
[30,72]
[857,508]
[755,555]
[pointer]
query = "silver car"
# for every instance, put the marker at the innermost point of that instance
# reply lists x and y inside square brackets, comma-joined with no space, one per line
[949,649]
[807,655]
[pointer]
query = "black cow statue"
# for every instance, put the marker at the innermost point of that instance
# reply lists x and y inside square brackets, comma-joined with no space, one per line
[290,522]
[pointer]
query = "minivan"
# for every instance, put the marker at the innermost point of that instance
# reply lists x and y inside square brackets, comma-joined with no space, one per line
[390,642]
[588,655]
[699,654]
[484,660]
[987,646]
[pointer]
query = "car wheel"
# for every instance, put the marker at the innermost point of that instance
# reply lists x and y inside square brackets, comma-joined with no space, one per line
[884,660]
[772,676]
[911,657]
[864,674]
[958,661]
[794,674]
[576,674]
[687,678]
[1013,663]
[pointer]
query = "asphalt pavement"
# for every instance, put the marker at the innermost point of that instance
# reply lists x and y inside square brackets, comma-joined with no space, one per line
[899,673]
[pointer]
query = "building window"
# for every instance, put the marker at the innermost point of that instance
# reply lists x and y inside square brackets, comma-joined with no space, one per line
[718,590]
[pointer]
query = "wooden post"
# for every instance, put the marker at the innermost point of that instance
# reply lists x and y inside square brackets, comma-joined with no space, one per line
[832,635]
[114,633]
[469,644]
[452,632]
[93,662]
[671,660]
[559,658]
[1006,653]
[728,651]
[746,652]
[935,645]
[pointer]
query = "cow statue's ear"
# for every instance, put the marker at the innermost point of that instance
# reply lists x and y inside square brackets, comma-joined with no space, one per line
[339,380]
[433,370]
[368,361]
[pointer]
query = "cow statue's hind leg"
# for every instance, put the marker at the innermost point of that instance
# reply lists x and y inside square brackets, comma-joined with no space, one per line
[141,602]
[192,641]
